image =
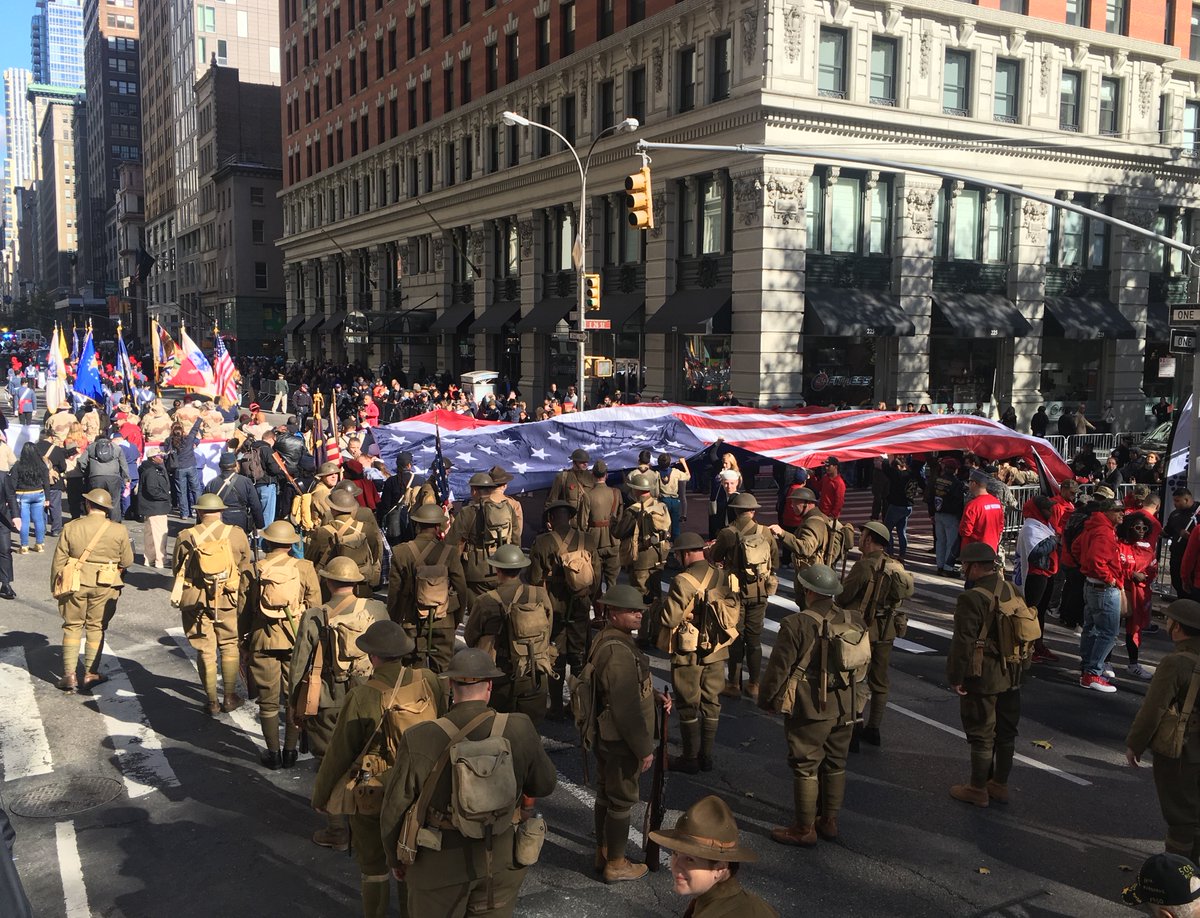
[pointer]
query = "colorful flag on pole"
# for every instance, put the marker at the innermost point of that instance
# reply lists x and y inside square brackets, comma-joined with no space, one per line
[74,346]
[333,449]
[224,374]
[87,373]
[194,371]
[123,362]
[56,373]
[62,344]
[437,476]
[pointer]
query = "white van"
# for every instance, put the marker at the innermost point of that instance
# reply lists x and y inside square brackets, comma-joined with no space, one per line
[29,336]
[479,384]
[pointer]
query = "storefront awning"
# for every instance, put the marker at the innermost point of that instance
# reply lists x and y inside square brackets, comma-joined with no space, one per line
[1158,322]
[494,318]
[619,308]
[334,322]
[981,315]
[452,318]
[840,312]
[546,315]
[689,310]
[311,325]
[292,324]
[1083,319]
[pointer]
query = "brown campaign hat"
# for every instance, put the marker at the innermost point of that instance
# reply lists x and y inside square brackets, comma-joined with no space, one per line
[499,475]
[688,541]
[343,501]
[98,497]
[328,468]
[978,553]
[707,830]
[472,664]
[1185,611]
[343,570]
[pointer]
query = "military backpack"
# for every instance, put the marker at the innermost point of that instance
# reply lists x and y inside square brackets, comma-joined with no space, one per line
[431,580]
[530,650]
[279,588]
[351,540]
[1016,628]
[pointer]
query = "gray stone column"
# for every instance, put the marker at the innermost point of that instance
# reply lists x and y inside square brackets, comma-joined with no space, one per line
[533,346]
[1027,288]
[291,298]
[329,271]
[912,281]
[486,285]
[663,370]
[1129,282]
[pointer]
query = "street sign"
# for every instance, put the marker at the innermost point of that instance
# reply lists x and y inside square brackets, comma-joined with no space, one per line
[577,336]
[1187,314]
[597,324]
[1183,340]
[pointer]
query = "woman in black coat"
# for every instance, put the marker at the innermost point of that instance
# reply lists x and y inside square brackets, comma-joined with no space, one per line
[154,503]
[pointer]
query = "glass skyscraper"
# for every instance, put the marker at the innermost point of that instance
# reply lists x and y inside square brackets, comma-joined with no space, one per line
[57,39]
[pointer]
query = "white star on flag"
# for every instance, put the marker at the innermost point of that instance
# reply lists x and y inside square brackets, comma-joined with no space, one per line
[504,441]
[605,433]
[674,445]
[485,449]
[556,437]
[464,457]
[521,467]
[540,454]
[429,449]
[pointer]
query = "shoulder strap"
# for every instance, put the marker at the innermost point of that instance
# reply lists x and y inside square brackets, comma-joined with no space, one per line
[221,490]
[439,766]
[382,687]
[336,610]
[421,557]
[1189,701]
[92,544]
[350,524]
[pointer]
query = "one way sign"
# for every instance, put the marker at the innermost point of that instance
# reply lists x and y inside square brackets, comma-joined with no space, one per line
[1183,340]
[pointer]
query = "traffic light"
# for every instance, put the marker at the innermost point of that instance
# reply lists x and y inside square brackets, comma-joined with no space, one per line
[591,292]
[638,199]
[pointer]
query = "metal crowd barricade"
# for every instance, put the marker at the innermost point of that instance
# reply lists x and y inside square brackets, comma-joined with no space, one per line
[1059,443]
[1101,443]
[1014,519]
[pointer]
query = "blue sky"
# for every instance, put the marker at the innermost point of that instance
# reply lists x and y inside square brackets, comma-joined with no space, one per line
[14,40]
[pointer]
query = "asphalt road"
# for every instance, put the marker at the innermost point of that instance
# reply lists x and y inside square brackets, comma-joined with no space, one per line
[194,826]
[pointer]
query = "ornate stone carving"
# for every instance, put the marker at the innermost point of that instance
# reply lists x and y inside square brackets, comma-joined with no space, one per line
[1033,221]
[747,198]
[926,50]
[1144,217]
[1146,92]
[785,199]
[525,237]
[478,238]
[656,57]
[584,95]
[918,209]
[749,33]
[659,206]
[438,251]
[793,23]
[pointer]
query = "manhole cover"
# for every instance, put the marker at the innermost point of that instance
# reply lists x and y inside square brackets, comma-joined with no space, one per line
[64,798]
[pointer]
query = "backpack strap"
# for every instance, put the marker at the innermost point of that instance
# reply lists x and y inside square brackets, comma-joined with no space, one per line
[1189,701]
[82,559]
[701,587]
[431,780]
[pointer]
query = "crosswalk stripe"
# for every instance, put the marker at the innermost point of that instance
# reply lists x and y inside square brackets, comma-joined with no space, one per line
[70,868]
[930,629]
[911,646]
[243,718]
[24,747]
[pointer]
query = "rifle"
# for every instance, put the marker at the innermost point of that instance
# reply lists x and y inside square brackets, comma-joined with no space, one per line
[657,805]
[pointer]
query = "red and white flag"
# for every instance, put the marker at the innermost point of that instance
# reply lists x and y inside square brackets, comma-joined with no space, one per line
[224,374]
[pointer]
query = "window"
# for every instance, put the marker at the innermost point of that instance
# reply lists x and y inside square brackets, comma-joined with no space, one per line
[353,78]
[720,67]
[605,10]
[566,117]
[1191,127]
[448,90]
[412,108]
[971,225]
[1110,105]
[447,17]
[379,57]
[1068,101]
[222,52]
[512,58]
[410,36]
[512,145]
[207,18]
[426,28]
[464,11]
[883,71]
[559,233]
[995,242]
[427,172]
[635,94]
[426,101]
[493,149]
[1116,17]
[852,215]
[636,10]
[1008,91]
[448,172]
[1194,46]
[1014,6]
[1077,13]
[464,81]
[541,139]
[956,83]
[623,244]
[492,80]
[393,116]
[606,105]
[256,195]
[846,207]
[260,275]
[712,215]
[566,29]
[831,64]
[468,158]
[687,219]
[685,80]
[543,40]
[258,232]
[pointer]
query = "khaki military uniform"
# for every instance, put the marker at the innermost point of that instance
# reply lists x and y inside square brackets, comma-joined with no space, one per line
[467,532]
[1176,780]
[727,551]
[991,707]
[211,622]
[645,533]
[322,547]
[699,675]
[571,611]
[321,512]
[360,717]
[818,730]
[89,609]
[455,879]
[519,513]
[729,899]
[434,639]
[314,629]
[60,424]
[625,733]
[270,642]
[885,621]
[488,628]
[599,513]
[810,543]
[572,486]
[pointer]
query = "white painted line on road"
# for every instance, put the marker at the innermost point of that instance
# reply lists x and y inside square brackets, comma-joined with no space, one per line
[1065,775]
[911,647]
[243,718]
[24,747]
[70,868]
[931,629]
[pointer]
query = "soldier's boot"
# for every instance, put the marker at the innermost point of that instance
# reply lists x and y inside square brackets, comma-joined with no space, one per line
[870,732]
[208,678]
[69,681]
[689,735]
[291,739]
[856,738]
[599,812]
[997,786]
[619,868]
[733,685]
[375,894]
[270,731]
[229,676]
[976,791]
[708,741]
[833,792]
[801,832]
[335,835]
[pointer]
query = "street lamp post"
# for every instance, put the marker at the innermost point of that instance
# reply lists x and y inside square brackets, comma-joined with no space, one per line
[579,250]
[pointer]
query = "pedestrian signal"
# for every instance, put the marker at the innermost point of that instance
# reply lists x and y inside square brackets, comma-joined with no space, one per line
[638,199]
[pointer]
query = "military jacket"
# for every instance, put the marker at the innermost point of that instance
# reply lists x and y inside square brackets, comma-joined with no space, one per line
[313,630]
[402,580]
[680,604]
[727,551]
[571,485]
[886,622]
[599,513]
[624,694]
[645,533]
[320,503]
[972,610]
[273,634]
[798,646]
[110,556]
[729,900]
[1168,689]
[546,568]
[808,543]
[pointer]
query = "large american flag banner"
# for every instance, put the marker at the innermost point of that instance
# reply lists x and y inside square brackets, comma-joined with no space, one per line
[536,451]
[224,374]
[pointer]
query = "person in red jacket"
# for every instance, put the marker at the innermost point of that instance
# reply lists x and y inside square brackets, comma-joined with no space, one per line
[1138,533]
[1100,564]
[833,490]
[1189,570]
[1040,568]
[983,516]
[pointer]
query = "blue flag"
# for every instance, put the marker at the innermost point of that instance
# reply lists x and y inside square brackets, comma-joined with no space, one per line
[87,374]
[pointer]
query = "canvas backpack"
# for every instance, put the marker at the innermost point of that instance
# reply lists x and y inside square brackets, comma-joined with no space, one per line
[842,650]
[104,450]
[840,541]
[252,465]
[279,588]
[584,701]
[431,580]
[302,511]
[495,523]
[345,628]
[1016,628]
[756,556]
[529,647]
[576,563]
[212,568]
[350,540]
[715,612]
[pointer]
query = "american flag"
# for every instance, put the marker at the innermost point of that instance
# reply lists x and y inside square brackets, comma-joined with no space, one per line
[438,479]
[224,374]
[333,449]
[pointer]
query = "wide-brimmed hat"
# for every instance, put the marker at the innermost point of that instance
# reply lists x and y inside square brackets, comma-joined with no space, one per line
[559,505]
[688,541]
[343,570]
[281,532]
[508,558]
[743,501]
[978,553]
[328,468]
[623,596]
[707,830]
[472,664]
[878,531]
[342,501]
[821,579]
[499,474]
[580,455]
[804,494]
[98,497]
[209,502]
[428,514]
[386,639]
[1103,492]
[481,480]
[1185,611]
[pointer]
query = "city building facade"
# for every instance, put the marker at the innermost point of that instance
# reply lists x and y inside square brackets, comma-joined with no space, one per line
[56,37]
[129,235]
[18,166]
[56,113]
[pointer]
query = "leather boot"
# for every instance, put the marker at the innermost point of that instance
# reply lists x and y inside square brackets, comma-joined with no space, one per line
[997,792]
[335,835]
[833,792]
[1002,764]
[270,731]
[969,793]
[623,870]
[232,703]
[708,740]
[619,868]
[689,734]
[751,691]
[801,832]
[871,735]
[375,895]
[878,706]
[68,683]
[733,685]
[856,738]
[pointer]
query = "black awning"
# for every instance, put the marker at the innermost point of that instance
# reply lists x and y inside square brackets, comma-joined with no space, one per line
[547,314]
[981,315]
[1158,322]
[495,317]
[334,322]
[311,325]
[1082,319]
[452,317]
[292,324]
[841,312]
[619,308]
[689,310]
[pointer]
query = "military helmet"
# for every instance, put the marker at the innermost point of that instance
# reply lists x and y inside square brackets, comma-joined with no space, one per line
[878,531]
[472,664]
[743,501]
[328,468]
[343,501]
[978,553]
[481,480]
[386,639]
[804,494]
[820,578]
[559,505]
[688,541]
[580,455]
[639,482]
[348,486]
[508,558]
[342,570]
[623,596]
[280,532]
[1185,611]
[209,502]
[98,497]
[429,515]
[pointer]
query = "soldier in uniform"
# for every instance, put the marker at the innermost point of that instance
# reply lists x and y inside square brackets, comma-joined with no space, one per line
[645,533]
[501,476]
[211,604]
[476,539]
[625,699]
[459,876]
[243,508]
[328,475]
[599,512]
[989,703]
[282,589]
[364,515]
[811,539]
[101,551]
[1176,779]
[866,591]
[344,535]
[571,484]
[698,647]
[316,644]
[549,557]
[754,583]
[387,645]
[433,637]
[490,627]
[823,710]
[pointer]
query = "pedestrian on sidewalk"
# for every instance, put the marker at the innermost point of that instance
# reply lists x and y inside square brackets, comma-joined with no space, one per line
[1100,564]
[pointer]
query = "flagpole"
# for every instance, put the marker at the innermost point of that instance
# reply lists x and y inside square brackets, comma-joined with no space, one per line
[155,344]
